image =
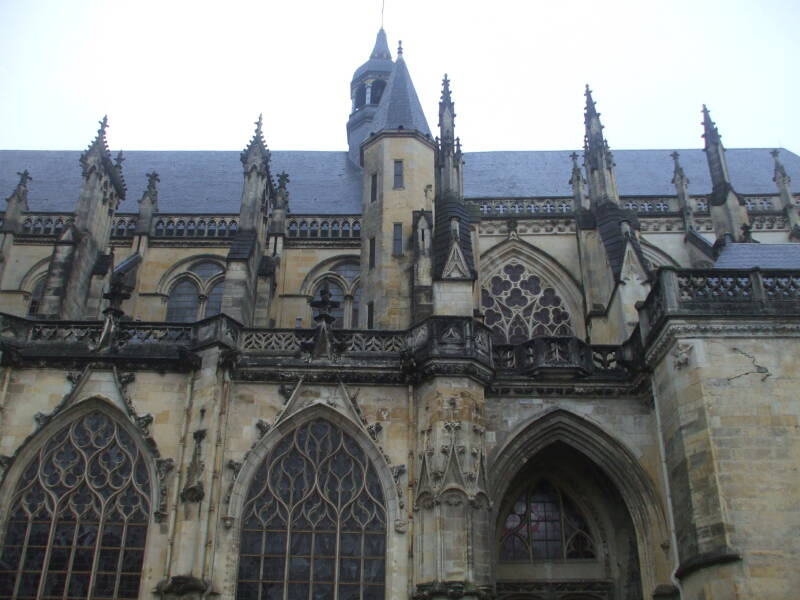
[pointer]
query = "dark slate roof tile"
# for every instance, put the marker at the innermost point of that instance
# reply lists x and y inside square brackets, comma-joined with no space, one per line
[328,183]
[765,256]
[399,107]
[191,182]
[639,172]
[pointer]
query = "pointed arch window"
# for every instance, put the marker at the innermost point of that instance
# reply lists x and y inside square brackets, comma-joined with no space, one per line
[343,282]
[78,517]
[544,524]
[197,293]
[314,521]
[519,306]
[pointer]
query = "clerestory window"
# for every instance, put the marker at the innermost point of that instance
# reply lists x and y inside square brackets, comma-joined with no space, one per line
[196,293]
[314,521]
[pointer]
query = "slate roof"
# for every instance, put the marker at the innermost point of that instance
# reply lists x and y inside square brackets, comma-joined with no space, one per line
[766,256]
[639,172]
[399,107]
[328,183]
[380,60]
[191,182]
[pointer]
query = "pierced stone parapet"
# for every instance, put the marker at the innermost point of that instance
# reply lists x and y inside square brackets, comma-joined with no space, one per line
[718,293]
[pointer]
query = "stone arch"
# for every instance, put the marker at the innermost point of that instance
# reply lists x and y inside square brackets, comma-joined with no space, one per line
[613,458]
[34,274]
[656,256]
[324,267]
[395,540]
[542,265]
[181,267]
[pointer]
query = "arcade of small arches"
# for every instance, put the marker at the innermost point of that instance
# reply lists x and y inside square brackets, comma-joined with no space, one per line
[81,504]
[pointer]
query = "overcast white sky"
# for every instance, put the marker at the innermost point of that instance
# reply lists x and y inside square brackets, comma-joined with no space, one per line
[195,75]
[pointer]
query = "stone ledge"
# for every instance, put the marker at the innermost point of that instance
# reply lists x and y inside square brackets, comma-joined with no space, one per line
[719,556]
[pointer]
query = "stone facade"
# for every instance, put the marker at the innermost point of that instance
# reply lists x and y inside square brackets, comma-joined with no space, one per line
[498,397]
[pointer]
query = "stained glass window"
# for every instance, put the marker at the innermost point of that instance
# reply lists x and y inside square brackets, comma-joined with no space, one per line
[544,524]
[78,517]
[314,521]
[519,306]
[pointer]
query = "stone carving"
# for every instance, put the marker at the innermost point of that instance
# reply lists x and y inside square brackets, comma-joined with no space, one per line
[263,427]
[682,354]
[163,467]
[193,491]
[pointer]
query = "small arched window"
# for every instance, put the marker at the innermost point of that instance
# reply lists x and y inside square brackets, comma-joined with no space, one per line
[159,228]
[544,524]
[361,96]
[293,229]
[356,229]
[376,92]
[78,516]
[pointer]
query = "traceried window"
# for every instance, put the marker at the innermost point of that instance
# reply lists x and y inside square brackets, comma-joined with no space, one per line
[78,517]
[519,306]
[314,521]
[197,294]
[544,524]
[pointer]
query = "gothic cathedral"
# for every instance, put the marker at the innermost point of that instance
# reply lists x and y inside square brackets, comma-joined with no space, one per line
[400,371]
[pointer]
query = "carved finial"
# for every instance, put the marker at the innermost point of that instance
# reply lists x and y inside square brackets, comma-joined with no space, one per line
[399,48]
[258,124]
[446,89]
[283,180]
[677,173]
[103,126]
[24,178]
[152,180]
[574,157]
[119,160]
[591,109]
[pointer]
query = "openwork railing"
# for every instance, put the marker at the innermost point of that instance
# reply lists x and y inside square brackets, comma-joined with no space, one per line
[720,293]
[549,355]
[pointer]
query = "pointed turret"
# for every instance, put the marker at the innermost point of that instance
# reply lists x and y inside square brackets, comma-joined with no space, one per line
[98,156]
[241,277]
[399,107]
[597,157]
[366,90]
[453,261]
[783,182]
[255,160]
[728,212]
[715,156]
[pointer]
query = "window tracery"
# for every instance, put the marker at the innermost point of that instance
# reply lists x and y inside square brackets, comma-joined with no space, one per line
[342,281]
[78,517]
[519,306]
[314,521]
[544,524]
[197,293]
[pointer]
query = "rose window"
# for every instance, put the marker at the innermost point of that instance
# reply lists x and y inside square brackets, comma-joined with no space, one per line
[519,306]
